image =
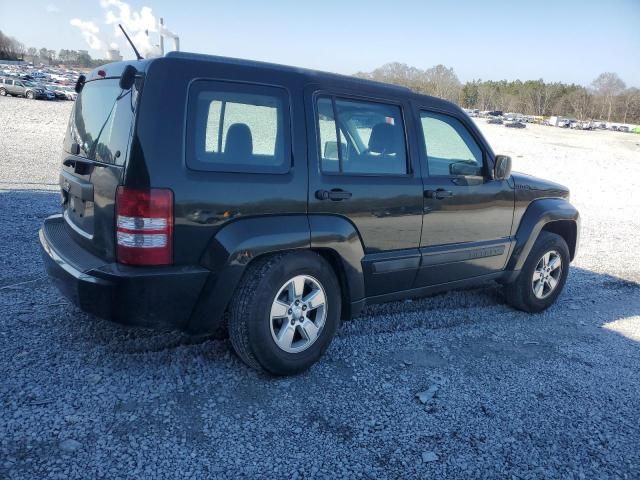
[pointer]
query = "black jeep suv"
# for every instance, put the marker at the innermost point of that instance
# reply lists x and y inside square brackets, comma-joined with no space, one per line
[276,201]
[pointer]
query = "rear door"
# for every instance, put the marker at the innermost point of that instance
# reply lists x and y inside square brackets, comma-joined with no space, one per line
[95,151]
[467,214]
[363,168]
[10,86]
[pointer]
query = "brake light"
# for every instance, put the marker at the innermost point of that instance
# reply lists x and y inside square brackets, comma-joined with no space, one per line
[144,226]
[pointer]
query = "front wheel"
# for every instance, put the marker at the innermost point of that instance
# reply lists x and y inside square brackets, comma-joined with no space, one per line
[30,95]
[3,92]
[285,312]
[543,275]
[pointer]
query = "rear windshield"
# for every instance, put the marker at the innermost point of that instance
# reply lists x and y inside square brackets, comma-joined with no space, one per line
[101,122]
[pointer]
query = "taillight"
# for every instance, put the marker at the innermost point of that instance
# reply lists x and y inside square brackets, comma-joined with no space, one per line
[144,226]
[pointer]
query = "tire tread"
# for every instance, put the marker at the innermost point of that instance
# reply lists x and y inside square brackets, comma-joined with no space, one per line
[239,306]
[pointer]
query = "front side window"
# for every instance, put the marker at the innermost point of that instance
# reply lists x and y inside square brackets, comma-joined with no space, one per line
[237,128]
[359,137]
[451,150]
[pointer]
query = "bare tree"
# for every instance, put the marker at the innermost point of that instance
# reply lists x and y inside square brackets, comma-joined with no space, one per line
[443,82]
[486,93]
[10,48]
[607,86]
[630,103]
[580,102]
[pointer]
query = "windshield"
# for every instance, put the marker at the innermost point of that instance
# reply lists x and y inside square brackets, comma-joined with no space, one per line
[101,122]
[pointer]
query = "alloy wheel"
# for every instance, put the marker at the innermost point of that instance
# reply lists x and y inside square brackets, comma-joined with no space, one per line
[546,275]
[298,314]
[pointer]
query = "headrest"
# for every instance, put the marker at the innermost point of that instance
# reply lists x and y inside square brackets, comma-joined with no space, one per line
[383,138]
[239,144]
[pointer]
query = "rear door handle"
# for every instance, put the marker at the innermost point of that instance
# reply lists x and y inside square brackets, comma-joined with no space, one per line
[336,195]
[438,194]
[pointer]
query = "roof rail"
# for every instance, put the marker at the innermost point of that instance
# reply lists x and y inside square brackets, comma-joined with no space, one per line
[299,70]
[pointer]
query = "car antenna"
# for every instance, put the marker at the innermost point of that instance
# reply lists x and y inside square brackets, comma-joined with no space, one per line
[131,43]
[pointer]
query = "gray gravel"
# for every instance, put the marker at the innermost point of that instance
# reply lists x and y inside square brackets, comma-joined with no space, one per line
[510,395]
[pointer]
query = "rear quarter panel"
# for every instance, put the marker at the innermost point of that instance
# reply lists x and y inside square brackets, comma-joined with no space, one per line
[206,201]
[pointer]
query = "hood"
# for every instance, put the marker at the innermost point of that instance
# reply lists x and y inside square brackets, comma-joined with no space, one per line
[539,186]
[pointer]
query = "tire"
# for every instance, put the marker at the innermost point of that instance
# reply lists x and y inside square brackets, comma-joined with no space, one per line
[255,323]
[521,295]
[30,95]
[3,92]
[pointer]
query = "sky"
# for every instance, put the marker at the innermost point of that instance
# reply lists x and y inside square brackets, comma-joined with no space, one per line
[570,41]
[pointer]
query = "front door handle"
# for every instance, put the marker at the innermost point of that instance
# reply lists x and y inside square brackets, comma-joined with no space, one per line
[336,194]
[438,194]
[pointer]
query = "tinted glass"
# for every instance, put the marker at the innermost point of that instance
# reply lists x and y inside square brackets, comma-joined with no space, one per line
[451,150]
[371,137]
[237,128]
[101,121]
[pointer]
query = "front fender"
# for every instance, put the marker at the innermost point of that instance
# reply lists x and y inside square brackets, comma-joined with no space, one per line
[538,214]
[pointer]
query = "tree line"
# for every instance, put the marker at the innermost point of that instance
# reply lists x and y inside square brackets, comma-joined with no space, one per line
[12,49]
[606,98]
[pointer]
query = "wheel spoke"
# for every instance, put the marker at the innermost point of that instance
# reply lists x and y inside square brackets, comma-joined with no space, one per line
[279,309]
[285,335]
[309,329]
[555,263]
[536,276]
[545,259]
[538,289]
[315,299]
[296,287]
[552,282]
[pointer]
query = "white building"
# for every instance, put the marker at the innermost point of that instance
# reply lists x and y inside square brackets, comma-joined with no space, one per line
[114,55]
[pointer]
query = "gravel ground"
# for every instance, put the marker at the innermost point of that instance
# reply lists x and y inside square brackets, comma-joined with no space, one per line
[503,394]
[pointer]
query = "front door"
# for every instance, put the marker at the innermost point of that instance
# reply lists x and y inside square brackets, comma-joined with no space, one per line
[467,214]
[362,169]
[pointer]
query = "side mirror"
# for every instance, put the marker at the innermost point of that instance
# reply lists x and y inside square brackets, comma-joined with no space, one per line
[502,169]
[128,77]
[80,83]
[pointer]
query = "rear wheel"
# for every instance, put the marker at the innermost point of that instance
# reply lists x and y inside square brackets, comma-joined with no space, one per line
[285,312]
[30,95]
[543,275]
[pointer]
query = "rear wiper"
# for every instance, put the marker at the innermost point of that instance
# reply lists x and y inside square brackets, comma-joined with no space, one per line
[71,161]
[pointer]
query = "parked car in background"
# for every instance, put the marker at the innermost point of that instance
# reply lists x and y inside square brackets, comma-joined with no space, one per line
[70,93]
[57,92]
[23,88]
[495,120]
[515,124]
[624,128]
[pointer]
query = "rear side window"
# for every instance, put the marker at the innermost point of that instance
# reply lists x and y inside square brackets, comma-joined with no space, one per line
[360,137]
[238,128]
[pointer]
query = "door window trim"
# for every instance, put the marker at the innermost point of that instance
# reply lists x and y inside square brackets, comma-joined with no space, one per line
[486,160]
[334,95]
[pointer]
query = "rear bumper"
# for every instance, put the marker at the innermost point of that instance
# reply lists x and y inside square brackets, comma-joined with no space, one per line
[145,296]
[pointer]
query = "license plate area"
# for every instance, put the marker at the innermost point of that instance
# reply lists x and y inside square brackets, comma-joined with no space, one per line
[77,203]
